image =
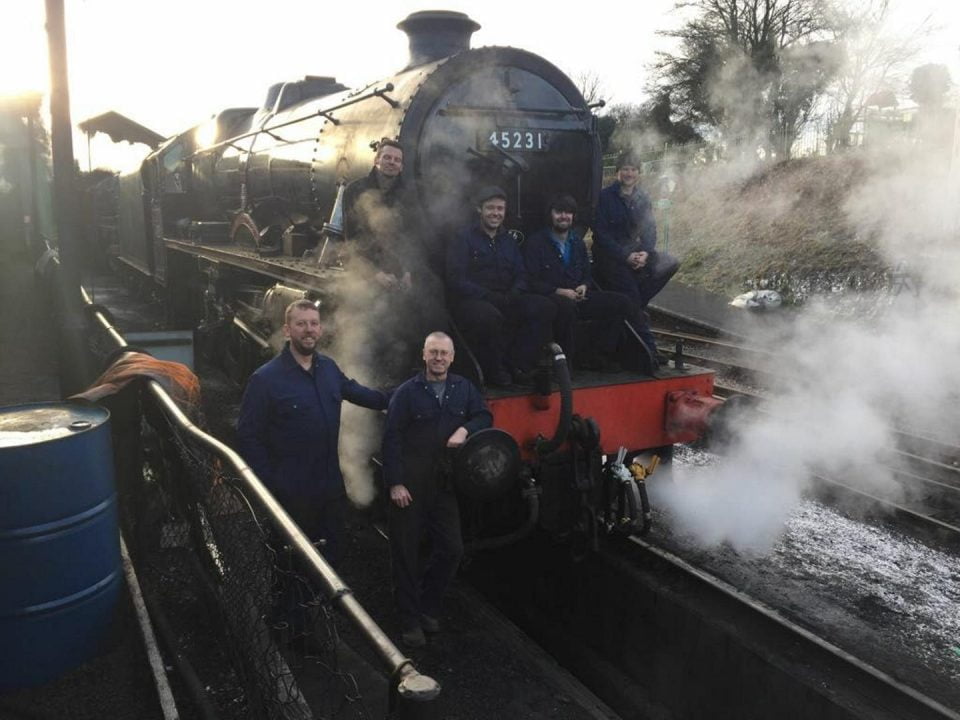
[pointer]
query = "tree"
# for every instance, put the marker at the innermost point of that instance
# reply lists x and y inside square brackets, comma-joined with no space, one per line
[928,84]
[749,68]
[590,86]
[874,61]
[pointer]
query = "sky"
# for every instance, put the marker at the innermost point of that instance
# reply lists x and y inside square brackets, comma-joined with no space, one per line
[171,65]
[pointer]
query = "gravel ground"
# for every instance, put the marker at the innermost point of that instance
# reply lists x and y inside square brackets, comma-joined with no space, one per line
[883,597]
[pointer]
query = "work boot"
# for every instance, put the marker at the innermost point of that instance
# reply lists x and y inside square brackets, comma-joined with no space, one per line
[413,637]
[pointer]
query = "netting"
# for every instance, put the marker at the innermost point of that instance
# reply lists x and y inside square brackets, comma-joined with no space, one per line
[231,601]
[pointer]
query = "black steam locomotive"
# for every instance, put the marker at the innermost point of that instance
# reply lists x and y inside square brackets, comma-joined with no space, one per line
[239,216]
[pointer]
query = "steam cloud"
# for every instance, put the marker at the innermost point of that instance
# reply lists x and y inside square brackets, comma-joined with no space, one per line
[849,382]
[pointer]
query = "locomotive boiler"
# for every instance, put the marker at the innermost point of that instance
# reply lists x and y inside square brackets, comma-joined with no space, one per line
[230,218]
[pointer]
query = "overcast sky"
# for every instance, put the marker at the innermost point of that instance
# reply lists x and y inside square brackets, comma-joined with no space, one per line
[170,65]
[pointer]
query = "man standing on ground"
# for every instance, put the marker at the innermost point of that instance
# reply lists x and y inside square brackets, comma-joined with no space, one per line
[504,323]
[430,413]
[289,428]
[559,269]
[624,243]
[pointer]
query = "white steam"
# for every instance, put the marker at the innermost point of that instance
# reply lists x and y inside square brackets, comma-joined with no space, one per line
[847,384]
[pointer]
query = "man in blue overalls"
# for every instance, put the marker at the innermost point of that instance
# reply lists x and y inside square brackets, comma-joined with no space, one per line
[429,415]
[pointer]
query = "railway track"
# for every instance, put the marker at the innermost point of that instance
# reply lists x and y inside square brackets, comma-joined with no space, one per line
[926,468]
[651,633]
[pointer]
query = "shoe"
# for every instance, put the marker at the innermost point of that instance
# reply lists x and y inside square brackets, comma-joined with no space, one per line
[500,378]
[413,637]
[430,625]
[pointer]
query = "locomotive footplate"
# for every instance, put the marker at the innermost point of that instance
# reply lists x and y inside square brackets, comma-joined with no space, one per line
[299,272]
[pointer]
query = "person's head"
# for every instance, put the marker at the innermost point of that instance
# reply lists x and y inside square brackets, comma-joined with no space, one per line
[492,206]
[389,159]
[302,326]
[437,355]
[628,169]
[561,210]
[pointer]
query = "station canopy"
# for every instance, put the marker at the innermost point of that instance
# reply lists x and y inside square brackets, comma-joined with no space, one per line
[119,127]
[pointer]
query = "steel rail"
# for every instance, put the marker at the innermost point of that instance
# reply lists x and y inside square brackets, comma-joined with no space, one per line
[412,685]
[771,614]
[713,342]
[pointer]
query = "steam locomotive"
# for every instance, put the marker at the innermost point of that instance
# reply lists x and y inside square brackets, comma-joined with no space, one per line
[239,216]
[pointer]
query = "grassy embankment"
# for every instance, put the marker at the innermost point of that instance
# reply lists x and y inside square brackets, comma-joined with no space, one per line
[781,226]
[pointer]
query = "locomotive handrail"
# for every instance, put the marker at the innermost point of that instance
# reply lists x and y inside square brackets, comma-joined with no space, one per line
[411,685]
[493,110]
[325,112]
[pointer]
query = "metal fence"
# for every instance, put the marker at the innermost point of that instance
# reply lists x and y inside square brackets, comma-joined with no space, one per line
[247,609]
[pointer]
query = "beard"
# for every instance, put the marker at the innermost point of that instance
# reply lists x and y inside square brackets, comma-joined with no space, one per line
[303,349]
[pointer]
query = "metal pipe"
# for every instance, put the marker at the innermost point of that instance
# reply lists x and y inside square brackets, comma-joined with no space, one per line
[414,683]
[376,92]
[559,360]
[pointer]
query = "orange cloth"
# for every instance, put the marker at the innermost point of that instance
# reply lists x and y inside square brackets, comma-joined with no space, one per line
[176,378]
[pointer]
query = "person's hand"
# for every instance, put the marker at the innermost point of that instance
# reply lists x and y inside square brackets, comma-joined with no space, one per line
[400,496]
[567,293]
[637,260]
[386,280]
[458,438]
[581,291]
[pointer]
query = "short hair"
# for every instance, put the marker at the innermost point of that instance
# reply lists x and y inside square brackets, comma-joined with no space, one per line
[488,192]
[562,202]
[388,142]
[437,335]
[628,158]
[301,304]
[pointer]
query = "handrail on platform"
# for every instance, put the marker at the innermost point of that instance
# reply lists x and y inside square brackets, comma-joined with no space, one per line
[412,687]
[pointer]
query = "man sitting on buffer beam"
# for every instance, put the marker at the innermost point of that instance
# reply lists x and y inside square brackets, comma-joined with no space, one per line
[558,268]
[503,322]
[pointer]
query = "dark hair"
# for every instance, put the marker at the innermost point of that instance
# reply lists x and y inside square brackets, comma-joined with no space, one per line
[388,142]
[562,202]
[628,157]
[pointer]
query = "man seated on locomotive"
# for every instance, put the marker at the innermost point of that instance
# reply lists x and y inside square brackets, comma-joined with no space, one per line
[289,426]
[489,298]
[428,414]
[624,243]
[558,268]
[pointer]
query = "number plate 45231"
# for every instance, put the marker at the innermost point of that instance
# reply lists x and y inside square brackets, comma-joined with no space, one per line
[516,139]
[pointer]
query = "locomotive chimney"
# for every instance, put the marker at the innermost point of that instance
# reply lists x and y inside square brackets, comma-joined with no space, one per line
[436,34]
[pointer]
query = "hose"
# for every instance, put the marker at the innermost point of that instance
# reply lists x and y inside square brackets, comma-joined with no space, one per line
[559,362]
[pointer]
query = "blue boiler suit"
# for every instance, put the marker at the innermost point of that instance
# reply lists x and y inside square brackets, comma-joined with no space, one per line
[415,455]
[288,433]
[487,288]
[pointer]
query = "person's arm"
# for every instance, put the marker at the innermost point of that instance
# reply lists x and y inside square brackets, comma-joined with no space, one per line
[391,448]
[604,230]
[478,416]
[533,260]
[252,427]
[512,255]
[458,260]
[646,223]
[361,395]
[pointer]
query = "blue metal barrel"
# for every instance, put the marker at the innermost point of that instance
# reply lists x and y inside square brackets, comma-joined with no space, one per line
[59,541]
